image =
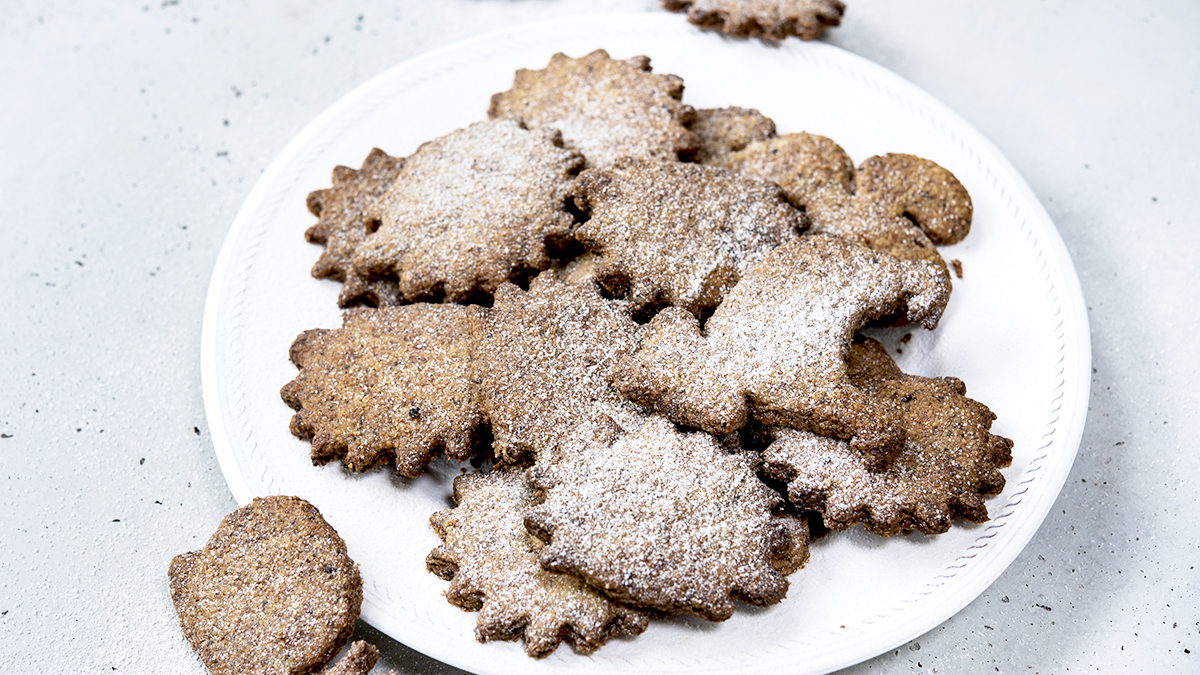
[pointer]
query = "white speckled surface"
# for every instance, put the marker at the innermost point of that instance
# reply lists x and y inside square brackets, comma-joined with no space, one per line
[131,133]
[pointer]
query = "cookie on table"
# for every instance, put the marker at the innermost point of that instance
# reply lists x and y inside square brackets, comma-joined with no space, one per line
[666,520]
[725,130]
[681,234]
[896,203]
[469,211]
[769,19]
[606,108]
[273,591]
[343,224]
[492,564]
[543,362]
[949,463]
[393,383]
[778,347]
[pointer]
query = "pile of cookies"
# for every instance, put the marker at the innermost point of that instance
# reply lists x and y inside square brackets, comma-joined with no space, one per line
[644,320]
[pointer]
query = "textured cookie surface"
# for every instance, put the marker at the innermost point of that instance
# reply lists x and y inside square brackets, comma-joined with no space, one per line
[771,19]
[903,204]
[778,346]
[392,383]
[670,233]
[606,108]
[469,211]
[273,591]
[950,460]
[543,363]
[492,564]
[343,224]
[725,130]
[666,520]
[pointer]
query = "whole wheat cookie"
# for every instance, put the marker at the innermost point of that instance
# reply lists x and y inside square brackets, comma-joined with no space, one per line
[491,562]
[725,130]
[769,19]
[777,348]
[392,383]
[896,203]
[469,211]
[342,224]
[543,361]
[273,591]
[666,520]
[949,463]
[606,108]
[672,233]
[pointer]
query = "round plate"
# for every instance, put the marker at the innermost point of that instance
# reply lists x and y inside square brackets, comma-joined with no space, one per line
[1015,331]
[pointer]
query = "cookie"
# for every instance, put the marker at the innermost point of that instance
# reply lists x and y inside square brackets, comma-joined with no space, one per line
[725,130]
[273,591]
[819,177]
[769,19]
[949,463]
[392,383]
[606,108]
[777,348]
[469,211]
[492,564]
[666,520]
[543,363]
[921,189]
[342,225]
[671,233]
[358,660]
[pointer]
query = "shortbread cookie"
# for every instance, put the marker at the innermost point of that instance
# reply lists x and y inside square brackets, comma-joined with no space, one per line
[777,348]
[819,177]
[606,108]
[949,463]
[543,363]
[469,211]
[921,189]
[273,591]
[392,383]
[670,233]
[725,130]
[667,520]
[491,562]
[343,224]
[770,19]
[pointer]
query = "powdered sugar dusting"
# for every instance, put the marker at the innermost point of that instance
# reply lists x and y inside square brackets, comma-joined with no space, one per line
[664,519]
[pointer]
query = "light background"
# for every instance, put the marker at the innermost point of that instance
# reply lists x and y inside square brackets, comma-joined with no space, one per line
[130,133]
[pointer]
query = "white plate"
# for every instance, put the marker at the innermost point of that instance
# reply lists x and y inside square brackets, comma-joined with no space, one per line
[1016,332]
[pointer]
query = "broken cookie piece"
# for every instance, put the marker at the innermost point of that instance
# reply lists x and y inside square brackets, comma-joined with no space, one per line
[949,463]
[469,211]
[543,362]
[391,383]
[491,562]
[606,108]
[273,591]
[343,224]
[671,233]
[768,19]
[777,348]
[666,520]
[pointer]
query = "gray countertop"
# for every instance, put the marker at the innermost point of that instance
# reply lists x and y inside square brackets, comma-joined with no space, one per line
[130,134]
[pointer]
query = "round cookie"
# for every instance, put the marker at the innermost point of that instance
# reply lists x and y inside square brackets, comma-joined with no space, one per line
[273,591]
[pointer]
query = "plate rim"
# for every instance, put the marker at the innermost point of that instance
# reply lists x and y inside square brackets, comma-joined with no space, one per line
[1069,402]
